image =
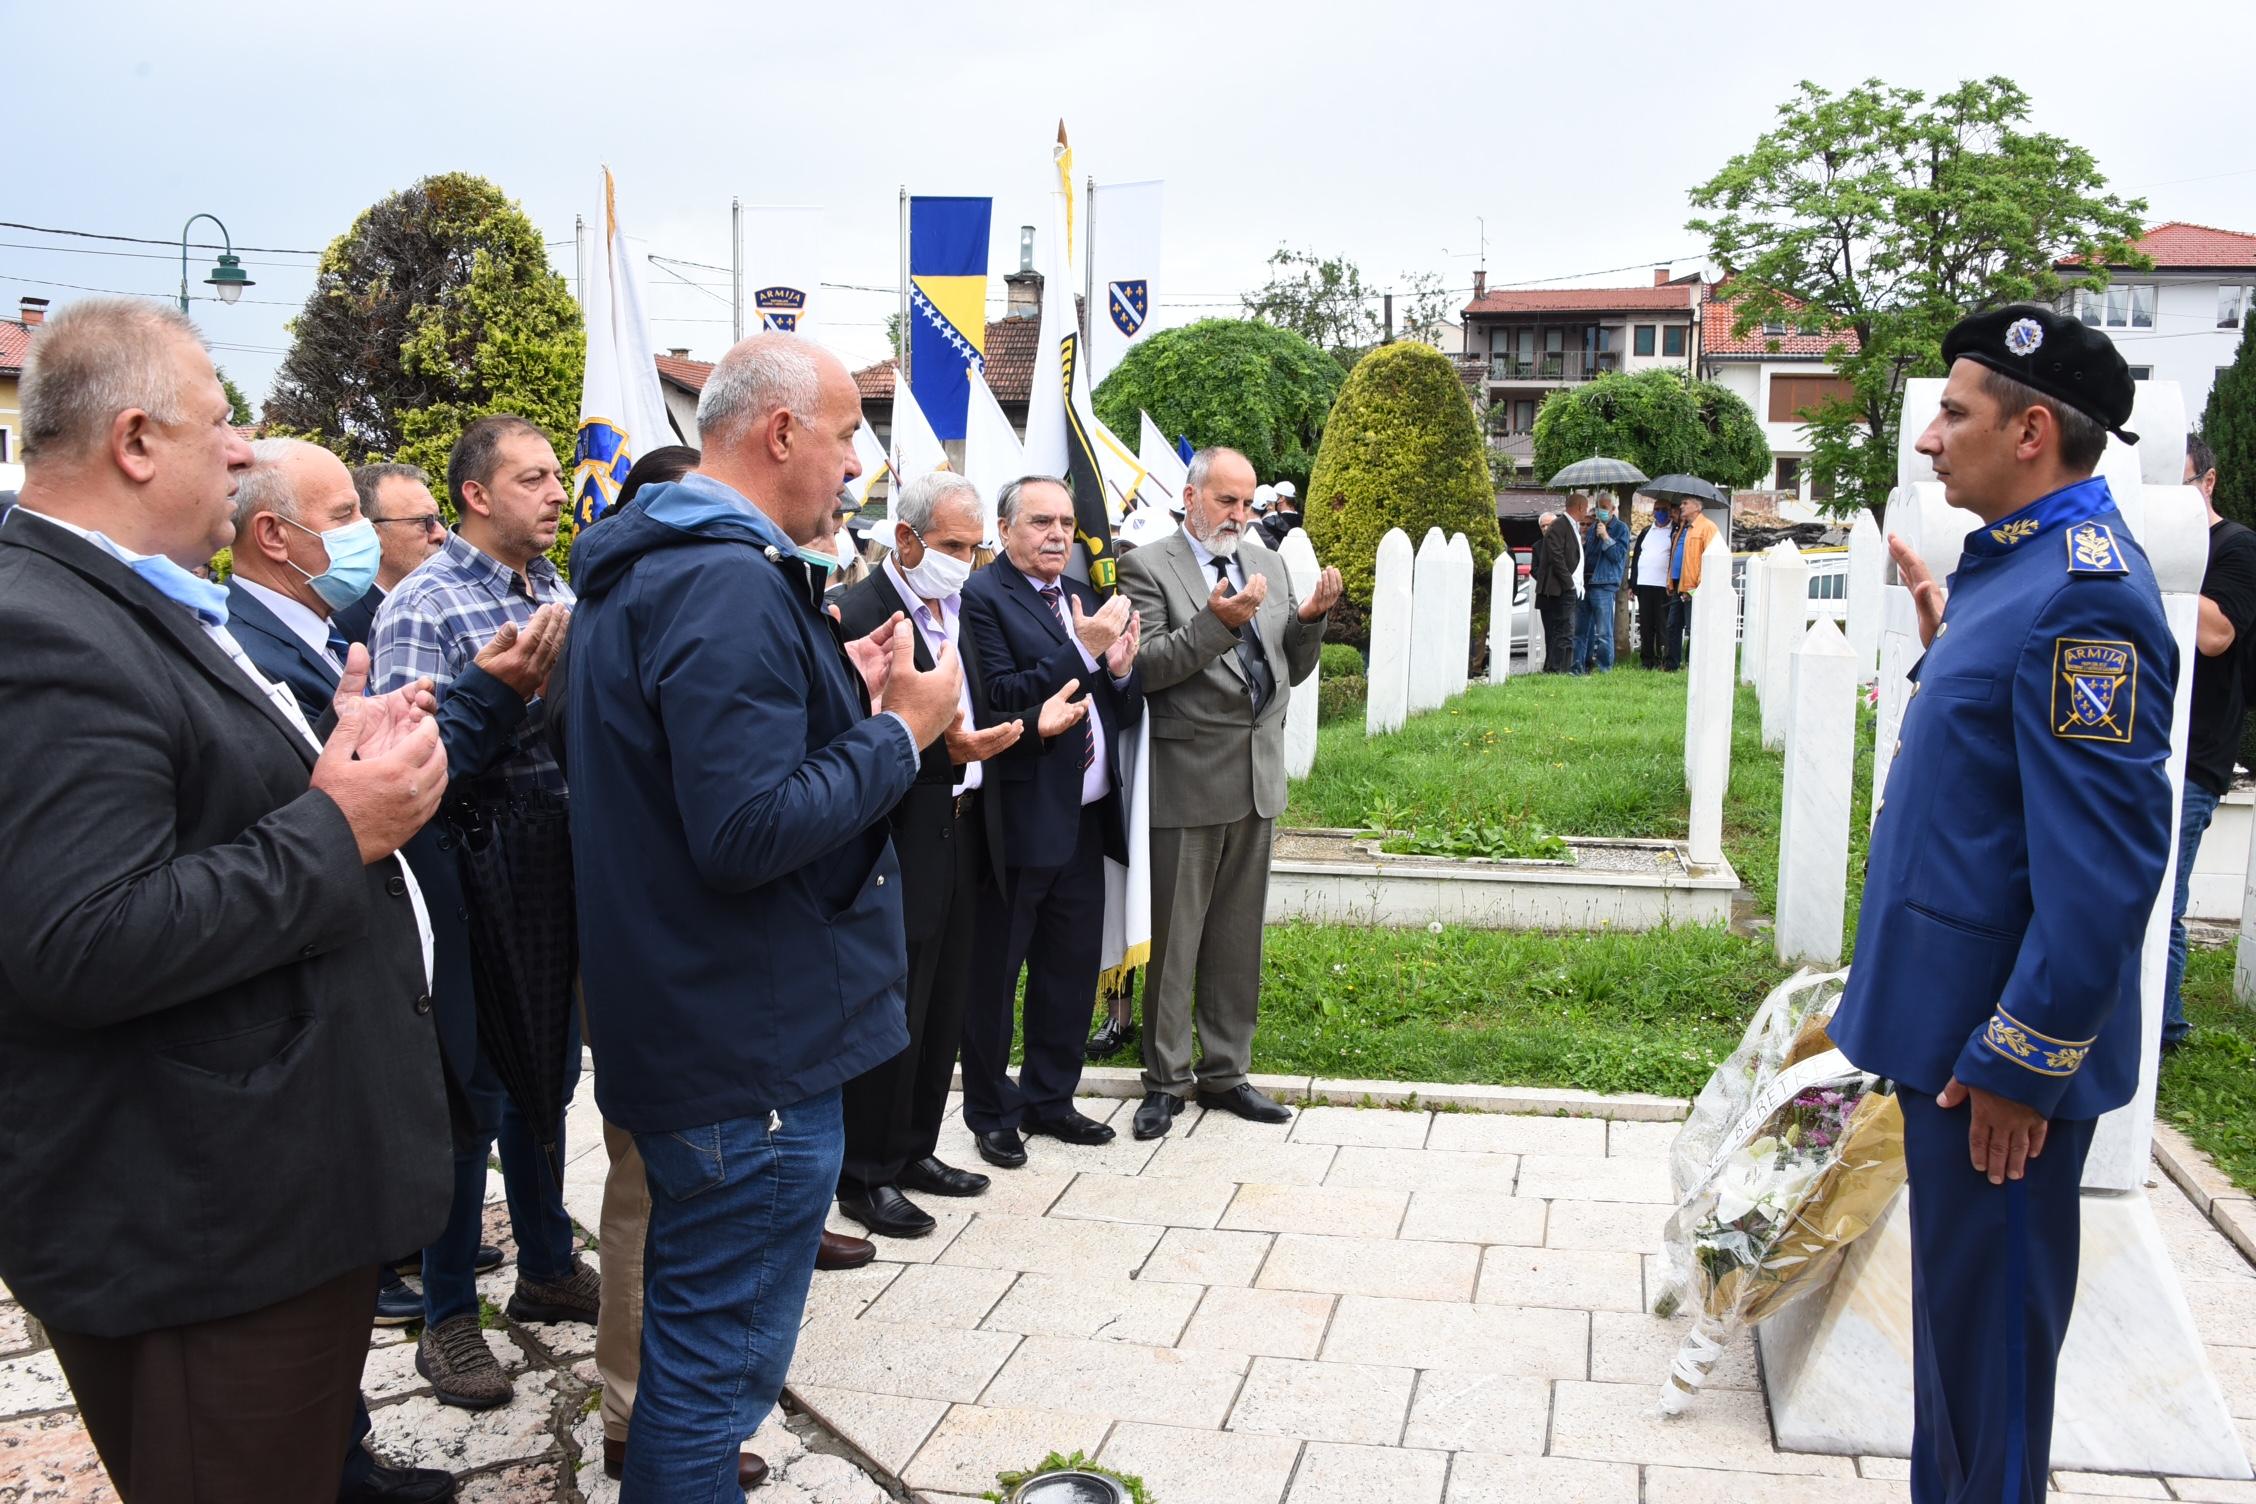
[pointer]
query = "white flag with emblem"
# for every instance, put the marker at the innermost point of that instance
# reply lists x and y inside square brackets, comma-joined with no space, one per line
[1123,270]
[782,256]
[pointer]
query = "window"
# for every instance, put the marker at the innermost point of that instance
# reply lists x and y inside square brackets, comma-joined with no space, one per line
[2233,305]
[2120,305]
[1776,326]
[1793,398]
[1672,341]
[1790,475]
[1644,340]
[1523,415]
[4,437]
[2142,373]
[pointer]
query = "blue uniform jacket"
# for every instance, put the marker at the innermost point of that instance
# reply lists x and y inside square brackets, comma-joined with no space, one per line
[740,902]
[2025,828]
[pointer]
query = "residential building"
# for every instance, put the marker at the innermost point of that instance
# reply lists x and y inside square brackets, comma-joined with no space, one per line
[1526,343]
[15,345]
[2183,320]
[1779,370]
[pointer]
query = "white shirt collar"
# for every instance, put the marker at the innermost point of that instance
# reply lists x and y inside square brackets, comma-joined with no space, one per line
[311,629]
[1206,556]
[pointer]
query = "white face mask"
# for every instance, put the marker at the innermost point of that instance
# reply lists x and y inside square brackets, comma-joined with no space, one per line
[937,576]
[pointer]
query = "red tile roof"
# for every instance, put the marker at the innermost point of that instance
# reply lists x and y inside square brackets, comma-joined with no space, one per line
[15,343]
[1010,365]
[1675,298]
[2176,245]
[1716,338]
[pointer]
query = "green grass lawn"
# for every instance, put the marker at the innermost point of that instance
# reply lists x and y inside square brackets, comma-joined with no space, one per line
[2208,1086]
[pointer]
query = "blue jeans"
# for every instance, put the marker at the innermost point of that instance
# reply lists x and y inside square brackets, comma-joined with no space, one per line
[2200,805]
[545,1244]
[1594,631]
[736,1214]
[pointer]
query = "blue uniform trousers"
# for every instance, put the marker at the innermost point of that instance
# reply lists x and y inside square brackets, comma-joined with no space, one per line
[1993,1279]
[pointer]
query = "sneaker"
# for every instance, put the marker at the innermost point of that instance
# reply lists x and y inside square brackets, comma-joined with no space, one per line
[575,1297]
[463,1371]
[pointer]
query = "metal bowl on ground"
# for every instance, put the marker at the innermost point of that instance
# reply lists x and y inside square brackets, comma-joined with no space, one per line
[1069,1486]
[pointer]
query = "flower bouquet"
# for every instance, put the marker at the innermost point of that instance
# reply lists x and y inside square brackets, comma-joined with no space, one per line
[1789,1155]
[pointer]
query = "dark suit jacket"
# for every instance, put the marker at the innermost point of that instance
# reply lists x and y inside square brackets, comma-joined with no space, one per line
[1558,557]
[355,620]
[924,822]
[1025,656]
[477,723]
[220,1072]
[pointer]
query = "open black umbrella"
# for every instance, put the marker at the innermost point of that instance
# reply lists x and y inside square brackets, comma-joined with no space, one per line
[515,856]
[1677,487]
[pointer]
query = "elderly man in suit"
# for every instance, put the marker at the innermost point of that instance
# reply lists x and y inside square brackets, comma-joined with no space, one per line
[1557,569]
[1227,642]
[215,982]
[1036,633]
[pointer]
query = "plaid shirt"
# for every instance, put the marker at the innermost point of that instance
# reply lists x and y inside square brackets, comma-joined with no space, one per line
[435,622]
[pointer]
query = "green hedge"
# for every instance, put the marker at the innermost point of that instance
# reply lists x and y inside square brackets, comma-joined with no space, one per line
[1340,660]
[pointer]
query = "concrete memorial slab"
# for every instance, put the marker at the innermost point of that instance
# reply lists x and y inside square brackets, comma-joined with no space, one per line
[1432,596]
[1300,711]
[1387,704]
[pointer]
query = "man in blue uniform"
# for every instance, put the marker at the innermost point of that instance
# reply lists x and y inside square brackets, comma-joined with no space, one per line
[2016,855]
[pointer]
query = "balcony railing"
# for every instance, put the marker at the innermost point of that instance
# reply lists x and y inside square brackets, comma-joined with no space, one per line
[1574,365]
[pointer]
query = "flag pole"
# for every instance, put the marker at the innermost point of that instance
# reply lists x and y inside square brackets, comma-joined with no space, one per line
[736,269]
[901,359]
[1089,254]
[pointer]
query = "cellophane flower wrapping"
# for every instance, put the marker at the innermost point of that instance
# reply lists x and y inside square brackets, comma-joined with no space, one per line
[1789,1154]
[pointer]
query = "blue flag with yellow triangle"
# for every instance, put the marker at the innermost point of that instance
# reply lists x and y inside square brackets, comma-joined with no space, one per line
[947,305]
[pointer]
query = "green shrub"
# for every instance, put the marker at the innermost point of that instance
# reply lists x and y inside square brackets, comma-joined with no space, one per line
[2228,423]
[1259,389]
[1657,421]
[1340,660]
[1337,698]
[1401,449]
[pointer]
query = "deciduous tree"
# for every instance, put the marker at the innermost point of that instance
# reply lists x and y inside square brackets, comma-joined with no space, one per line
[1259,389]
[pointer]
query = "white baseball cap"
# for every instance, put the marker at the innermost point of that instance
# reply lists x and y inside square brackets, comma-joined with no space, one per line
[1287,488]
[1263,496]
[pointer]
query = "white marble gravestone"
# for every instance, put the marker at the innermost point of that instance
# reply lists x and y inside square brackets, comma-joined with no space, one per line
[1935,531]
[1813,831]
[1751,624]
[1503,575]
[1535,635]
[1785,616]
[1711,693]
[1430,596]
[1300,710]
[1460,576]
[1387,705]
[1868,569]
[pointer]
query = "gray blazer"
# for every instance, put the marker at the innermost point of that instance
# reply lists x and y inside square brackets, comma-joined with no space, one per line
[1212,762]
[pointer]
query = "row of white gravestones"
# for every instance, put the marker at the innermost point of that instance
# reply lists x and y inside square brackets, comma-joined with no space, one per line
[1709,698]
[1388,703]
[1300,711]
[1421,627]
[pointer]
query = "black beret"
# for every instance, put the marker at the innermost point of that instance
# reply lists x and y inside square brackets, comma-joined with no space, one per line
[2053,353]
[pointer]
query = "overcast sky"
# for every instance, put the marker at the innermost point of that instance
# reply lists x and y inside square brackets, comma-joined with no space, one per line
[1379,133]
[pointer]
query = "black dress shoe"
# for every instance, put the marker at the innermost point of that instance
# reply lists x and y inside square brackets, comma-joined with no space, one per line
[1157,1114]
[1112,1036]
[886,1212]
[487,1261]
[1002,1148]
[1072,1128]
[936,1179]
[399,1485]
[396,1303]
[1247,1102]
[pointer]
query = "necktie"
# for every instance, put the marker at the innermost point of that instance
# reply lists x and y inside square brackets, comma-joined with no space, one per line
[1056,597]
[340,646]
[1260,683]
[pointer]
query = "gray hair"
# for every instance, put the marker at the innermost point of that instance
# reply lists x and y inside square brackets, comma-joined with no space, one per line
[1203,461]
[95,359]
[266,487]
[922,497]
[756,377]
[369,479]
[1006,500]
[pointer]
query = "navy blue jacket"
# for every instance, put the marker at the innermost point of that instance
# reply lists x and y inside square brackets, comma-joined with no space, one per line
[740,904]
[1025,656]
[2025,829]
[478,722]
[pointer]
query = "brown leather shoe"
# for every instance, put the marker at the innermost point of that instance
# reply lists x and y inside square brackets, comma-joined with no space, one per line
[751,1468]
[838,1251]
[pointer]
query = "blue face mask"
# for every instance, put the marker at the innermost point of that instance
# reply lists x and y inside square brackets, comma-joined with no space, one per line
[354,554]
[207,598]
[819,561]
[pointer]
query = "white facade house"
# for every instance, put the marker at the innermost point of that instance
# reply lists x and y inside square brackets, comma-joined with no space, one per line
[1779,372]
[2183,320]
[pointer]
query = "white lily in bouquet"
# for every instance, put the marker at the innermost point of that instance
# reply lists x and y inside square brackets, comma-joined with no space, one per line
[1790,1153]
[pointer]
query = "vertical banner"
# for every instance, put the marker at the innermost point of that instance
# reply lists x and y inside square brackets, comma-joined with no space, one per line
[1123,235]
[947,304]
[1060,428]
[993,457]
[622,411]
[782,267]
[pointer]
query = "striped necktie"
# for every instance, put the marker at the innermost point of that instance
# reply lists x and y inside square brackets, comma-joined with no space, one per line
[1056,598]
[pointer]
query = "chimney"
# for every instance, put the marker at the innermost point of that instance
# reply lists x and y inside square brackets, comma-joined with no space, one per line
[1660,276]
[1023,288]
[34,312]
[678,352]
[1480,283]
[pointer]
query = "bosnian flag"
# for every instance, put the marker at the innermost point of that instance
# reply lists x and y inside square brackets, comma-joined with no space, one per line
[622,412]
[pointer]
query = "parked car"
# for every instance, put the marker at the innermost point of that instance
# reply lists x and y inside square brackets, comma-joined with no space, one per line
[1828,584]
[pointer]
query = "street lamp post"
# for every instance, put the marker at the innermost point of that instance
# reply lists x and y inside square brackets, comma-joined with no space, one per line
[228,276]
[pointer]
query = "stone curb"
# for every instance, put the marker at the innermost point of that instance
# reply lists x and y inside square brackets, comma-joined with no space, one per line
[1127,1083]
[2226,1205]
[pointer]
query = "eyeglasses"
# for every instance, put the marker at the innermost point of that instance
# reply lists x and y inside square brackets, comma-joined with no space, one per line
[425,523]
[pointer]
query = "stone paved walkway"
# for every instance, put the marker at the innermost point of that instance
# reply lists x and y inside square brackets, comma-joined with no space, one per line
[1367,1305]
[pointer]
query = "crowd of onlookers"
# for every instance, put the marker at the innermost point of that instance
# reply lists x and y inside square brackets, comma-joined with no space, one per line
[1582,556]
